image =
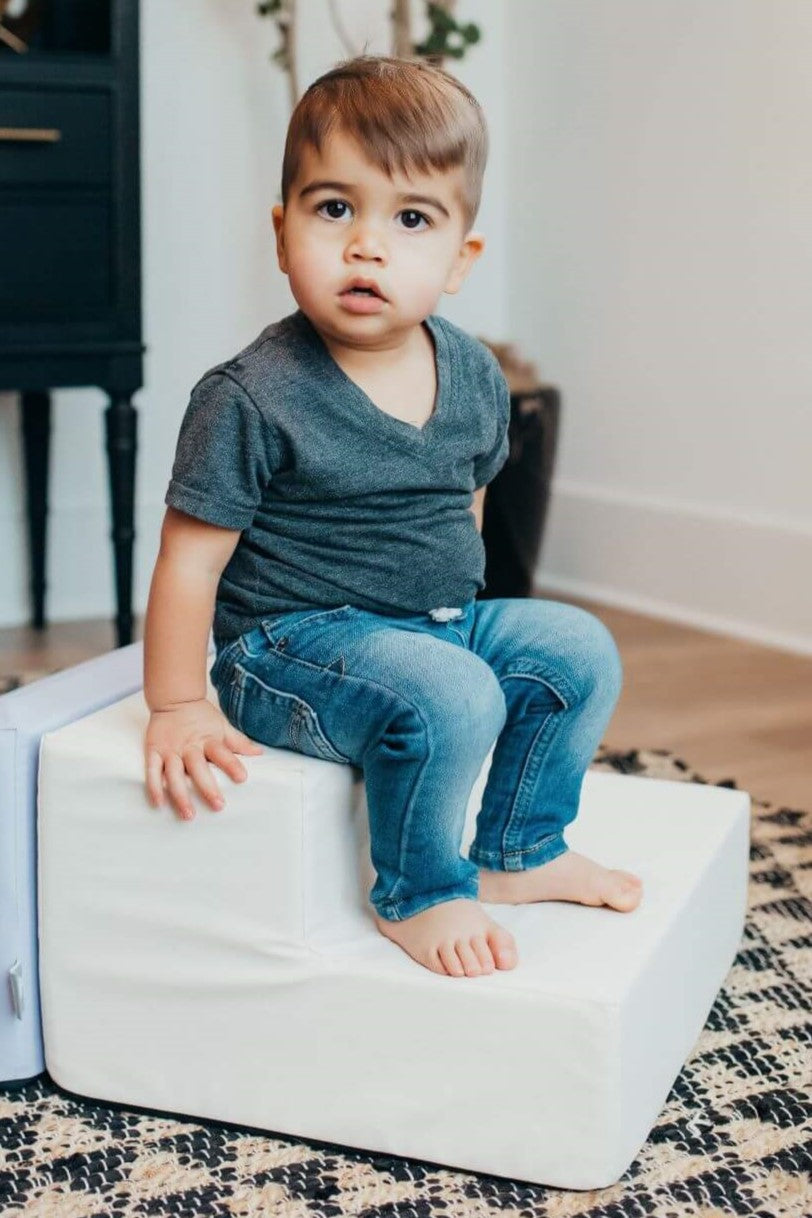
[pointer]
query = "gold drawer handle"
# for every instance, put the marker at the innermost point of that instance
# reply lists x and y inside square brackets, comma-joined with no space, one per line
[30,135]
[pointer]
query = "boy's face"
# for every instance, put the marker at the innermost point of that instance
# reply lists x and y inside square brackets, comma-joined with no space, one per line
[361,225]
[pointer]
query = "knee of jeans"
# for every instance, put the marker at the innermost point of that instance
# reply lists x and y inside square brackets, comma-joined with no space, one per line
[489,708]
[474,707]
[600,666]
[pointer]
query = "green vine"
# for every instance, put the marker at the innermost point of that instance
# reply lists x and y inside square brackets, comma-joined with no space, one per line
[273,8]
[446,36]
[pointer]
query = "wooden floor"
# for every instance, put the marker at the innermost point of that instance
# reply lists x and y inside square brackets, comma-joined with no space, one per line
[728,708]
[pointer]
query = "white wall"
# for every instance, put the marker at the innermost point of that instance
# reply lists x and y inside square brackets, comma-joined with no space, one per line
[646,209]
[660,262]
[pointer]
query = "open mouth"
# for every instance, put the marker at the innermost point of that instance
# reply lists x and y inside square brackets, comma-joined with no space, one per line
[359,291]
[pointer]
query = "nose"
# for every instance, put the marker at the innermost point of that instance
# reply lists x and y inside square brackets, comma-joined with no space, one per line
[365,244]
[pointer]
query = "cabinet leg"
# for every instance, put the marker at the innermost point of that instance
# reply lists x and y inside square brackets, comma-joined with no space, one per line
[35,417]
[121,427]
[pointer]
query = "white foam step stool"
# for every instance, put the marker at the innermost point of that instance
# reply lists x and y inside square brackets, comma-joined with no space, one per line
[25,714]
[229,967]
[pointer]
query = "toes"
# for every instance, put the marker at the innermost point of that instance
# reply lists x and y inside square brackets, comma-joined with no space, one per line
[434,962]
[468,957]
[450,959]
[624,891]
[503,947]
[480,945]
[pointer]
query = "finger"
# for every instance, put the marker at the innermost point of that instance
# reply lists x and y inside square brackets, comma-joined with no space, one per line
[202,777]
[238,742]
[155,769]
[221,755]
[177,787]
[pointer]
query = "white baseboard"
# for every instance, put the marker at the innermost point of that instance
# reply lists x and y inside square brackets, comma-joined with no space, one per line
[746,577]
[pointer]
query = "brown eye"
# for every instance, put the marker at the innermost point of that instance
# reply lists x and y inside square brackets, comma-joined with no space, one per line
[332,203]
[412,227]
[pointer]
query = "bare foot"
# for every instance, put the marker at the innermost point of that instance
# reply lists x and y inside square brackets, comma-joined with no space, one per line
[570,877]
[456,938]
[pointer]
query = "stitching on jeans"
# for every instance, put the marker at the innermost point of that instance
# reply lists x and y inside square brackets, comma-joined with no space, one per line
[235,698]
[268,629]
[318,736]
[291,659]
[250,655]
[542,842]
[523,780]
[532,676]
[396,693]
[494,860]
[395,906]
[403,701]
[300,710]
[510,854]
[510,827]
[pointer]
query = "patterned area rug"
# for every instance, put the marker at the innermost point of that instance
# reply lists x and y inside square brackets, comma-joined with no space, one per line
[734,1137]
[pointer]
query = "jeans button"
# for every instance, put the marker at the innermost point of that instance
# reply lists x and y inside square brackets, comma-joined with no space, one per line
[445,614]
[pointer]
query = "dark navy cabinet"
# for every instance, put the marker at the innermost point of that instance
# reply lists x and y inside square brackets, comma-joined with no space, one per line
[70,283]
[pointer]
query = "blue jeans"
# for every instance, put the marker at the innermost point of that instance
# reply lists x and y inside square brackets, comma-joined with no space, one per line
[417,703]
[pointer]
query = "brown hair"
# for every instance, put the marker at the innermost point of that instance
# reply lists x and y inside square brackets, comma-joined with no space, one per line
[404,113]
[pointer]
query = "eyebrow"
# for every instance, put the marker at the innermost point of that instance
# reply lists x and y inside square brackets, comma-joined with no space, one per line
[347,188]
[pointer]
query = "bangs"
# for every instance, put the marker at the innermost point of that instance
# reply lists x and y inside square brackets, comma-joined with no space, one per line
[404,114]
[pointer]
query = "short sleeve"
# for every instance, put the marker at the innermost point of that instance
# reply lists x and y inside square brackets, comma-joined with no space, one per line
[488,465]
[225,457]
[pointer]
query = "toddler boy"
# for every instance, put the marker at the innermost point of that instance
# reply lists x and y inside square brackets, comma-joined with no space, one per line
[324,508]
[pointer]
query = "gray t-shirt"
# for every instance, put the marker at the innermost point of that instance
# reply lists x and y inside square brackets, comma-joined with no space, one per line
[337,501]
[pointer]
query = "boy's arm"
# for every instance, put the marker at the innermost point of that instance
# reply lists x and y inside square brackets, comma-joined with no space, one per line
[478,506]
[186,730]
[181,607]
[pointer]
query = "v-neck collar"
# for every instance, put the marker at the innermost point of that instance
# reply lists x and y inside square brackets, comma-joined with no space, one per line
[397,429]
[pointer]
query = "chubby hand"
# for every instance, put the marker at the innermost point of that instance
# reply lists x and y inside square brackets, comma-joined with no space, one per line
[182,740]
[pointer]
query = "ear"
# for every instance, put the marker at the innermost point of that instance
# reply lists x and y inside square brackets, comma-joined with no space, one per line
[469,251]
[277,216]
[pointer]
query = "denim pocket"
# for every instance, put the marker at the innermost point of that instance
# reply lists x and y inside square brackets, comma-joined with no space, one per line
[279,719]
[288,626]
[312,635]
